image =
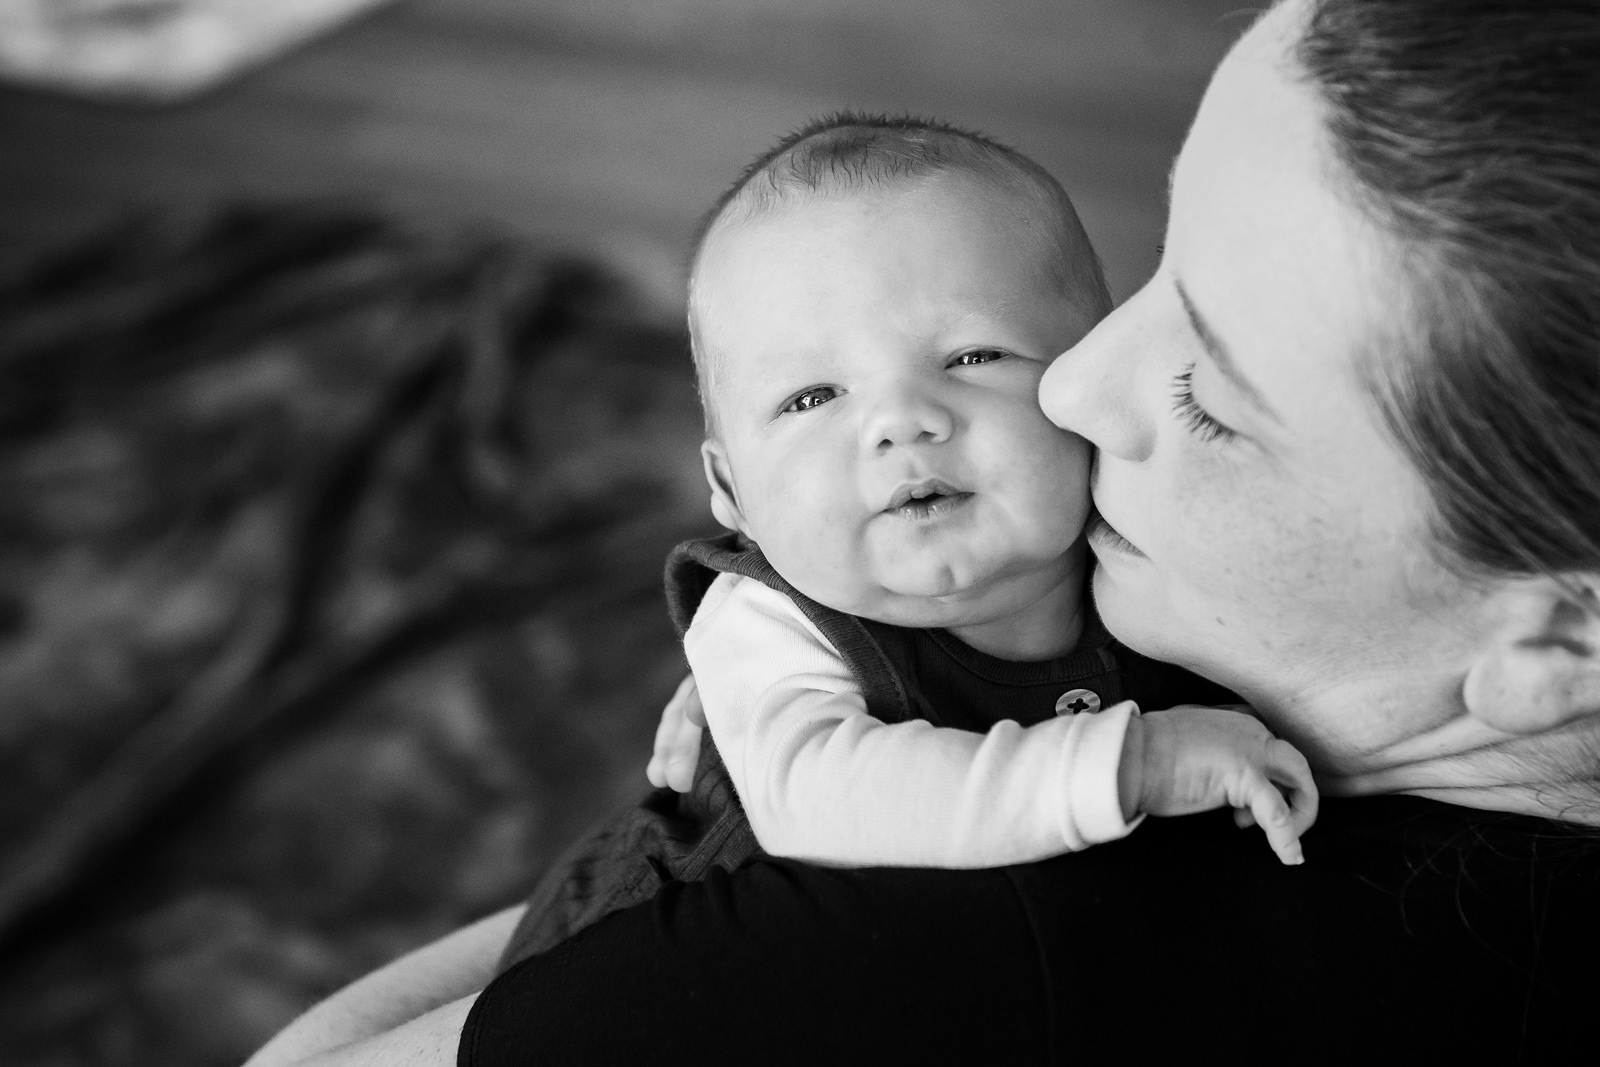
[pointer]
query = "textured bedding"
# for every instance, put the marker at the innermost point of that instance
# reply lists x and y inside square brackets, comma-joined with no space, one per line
[329,606]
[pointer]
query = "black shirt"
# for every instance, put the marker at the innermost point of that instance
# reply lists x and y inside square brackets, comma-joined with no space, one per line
[1414,931]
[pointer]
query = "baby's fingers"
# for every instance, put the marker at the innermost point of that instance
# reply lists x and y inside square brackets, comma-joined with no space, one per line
[677,741]
[661,753]
[676,758]
[1289,769]
[1271,812]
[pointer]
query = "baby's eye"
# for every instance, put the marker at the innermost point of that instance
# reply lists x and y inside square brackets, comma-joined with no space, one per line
[814,397]
[977,356]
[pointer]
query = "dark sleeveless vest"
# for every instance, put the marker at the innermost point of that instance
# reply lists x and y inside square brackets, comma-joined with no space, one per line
[903,673]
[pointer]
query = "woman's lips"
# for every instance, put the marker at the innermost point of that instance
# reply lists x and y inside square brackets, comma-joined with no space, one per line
[1106,540]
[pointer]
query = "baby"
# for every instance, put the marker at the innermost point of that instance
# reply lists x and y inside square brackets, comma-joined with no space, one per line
[894,650]
[871,312]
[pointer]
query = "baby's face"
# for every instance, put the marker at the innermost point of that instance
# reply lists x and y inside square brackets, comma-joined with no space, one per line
[877,360]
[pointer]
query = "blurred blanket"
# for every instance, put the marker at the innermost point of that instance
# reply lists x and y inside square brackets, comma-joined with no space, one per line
[329,606]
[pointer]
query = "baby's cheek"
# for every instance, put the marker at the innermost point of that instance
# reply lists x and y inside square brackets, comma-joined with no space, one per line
[1052,476]
[1070,475]
[813,542]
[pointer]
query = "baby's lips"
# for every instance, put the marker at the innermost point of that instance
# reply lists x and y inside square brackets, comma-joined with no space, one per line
[920,490]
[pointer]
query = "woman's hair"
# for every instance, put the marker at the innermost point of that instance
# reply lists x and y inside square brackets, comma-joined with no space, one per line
[1471,129]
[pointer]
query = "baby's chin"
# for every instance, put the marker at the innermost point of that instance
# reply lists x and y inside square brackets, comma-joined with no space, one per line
[936,600]
[934,593]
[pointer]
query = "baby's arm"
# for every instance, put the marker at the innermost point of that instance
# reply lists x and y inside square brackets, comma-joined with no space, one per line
[822,780]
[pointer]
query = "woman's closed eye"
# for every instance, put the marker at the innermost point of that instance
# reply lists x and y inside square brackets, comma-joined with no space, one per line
[1195,418]
[806,399]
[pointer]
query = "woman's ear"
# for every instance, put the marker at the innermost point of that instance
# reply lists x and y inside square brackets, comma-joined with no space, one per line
[1542,669]
[724,498]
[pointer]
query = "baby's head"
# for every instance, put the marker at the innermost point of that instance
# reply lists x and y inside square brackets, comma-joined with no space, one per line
[872,305]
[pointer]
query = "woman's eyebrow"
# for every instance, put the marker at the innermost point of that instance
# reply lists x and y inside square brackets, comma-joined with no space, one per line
[1219,355]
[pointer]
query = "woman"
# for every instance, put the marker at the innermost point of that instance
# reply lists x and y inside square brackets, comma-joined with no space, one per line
[1349,465]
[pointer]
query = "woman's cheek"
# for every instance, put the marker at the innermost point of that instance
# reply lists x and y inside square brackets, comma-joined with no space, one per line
[1236,534]
[1207,501]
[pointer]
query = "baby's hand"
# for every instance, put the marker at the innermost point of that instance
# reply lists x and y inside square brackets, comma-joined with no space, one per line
[1191,759]
[677,747]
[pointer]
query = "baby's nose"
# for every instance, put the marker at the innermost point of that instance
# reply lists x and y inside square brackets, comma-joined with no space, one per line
[905,416]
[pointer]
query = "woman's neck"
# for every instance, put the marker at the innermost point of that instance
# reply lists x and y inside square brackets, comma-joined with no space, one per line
[1367,738]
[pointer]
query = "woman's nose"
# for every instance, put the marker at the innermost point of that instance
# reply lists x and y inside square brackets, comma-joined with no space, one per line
[903,414]
[1093,389]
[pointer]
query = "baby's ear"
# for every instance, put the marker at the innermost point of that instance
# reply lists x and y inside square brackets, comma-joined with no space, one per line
[724,498]
[1542,670]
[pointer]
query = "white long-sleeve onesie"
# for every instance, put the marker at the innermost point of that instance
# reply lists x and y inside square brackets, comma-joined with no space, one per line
[822,780]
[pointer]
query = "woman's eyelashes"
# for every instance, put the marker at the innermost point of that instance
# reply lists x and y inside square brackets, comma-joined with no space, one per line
[1195,418]
[806,399]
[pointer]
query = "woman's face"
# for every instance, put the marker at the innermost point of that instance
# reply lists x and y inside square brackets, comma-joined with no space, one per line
[1260,526]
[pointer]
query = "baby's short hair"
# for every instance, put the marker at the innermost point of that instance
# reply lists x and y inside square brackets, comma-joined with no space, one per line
[845,152]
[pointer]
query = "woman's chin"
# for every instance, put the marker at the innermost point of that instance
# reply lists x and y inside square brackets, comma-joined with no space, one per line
[1131,612]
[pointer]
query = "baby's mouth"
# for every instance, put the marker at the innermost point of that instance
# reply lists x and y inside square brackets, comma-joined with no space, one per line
[920,500]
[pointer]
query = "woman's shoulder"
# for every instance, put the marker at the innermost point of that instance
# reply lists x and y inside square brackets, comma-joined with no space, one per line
[1413,930]
[1406,913]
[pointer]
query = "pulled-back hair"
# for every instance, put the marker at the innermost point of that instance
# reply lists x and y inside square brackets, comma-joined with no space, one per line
[846,152]
[1471,129]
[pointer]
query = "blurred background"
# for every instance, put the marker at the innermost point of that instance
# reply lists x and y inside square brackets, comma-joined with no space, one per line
[346,418]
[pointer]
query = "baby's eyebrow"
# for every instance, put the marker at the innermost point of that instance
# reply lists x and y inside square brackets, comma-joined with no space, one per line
[1220,356]
[988,310]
